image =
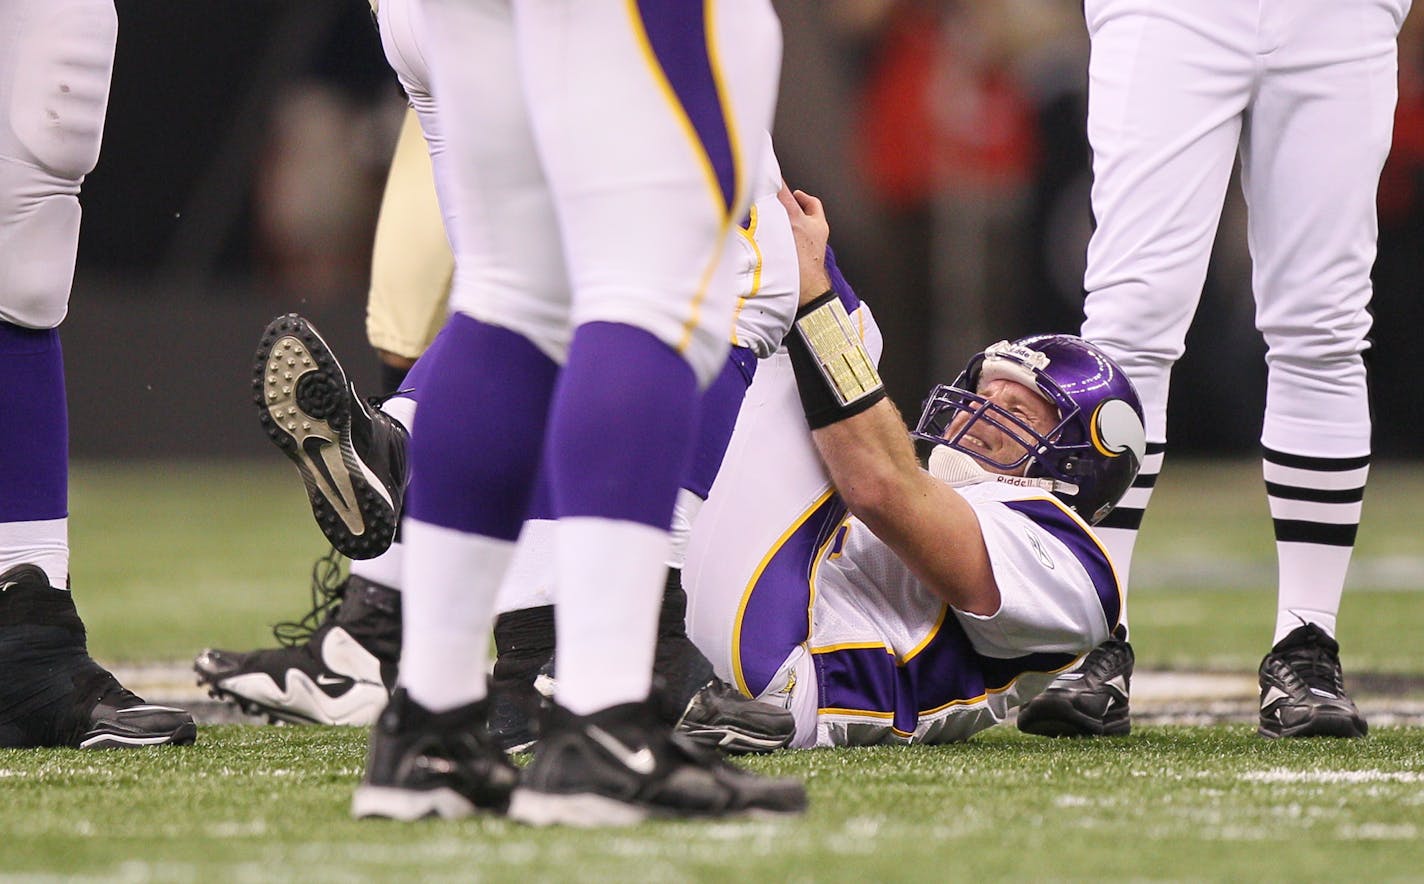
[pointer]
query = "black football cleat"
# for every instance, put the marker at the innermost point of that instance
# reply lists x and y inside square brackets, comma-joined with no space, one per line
[1090,701]
[622,765]
[118,719]
[422,764]
[351,455]
[336,666]
[1303,689]
[720,717]
[53,693]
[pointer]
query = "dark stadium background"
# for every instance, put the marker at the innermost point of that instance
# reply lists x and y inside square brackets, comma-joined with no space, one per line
[243,158]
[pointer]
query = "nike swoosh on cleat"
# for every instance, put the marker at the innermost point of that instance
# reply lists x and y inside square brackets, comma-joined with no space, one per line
[1272,695]
[327,680]
[314,446]
[639,762]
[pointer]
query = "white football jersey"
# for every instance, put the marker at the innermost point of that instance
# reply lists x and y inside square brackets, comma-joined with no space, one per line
[894,663]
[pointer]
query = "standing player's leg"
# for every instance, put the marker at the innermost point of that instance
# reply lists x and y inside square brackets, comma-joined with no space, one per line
[1166,91]
[645,206]
[55,65]
[482,415]
[1319,135]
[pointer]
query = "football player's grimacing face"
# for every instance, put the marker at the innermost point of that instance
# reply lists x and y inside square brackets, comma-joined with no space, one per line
[995,444]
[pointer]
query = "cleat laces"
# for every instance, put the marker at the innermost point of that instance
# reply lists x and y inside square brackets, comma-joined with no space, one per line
[328,589]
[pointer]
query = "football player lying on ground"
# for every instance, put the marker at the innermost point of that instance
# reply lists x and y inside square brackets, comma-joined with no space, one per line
[952,594]
[949,595]
[338,666]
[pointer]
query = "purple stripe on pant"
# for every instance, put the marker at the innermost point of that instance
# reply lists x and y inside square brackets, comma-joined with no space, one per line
[776,618]
[677,32]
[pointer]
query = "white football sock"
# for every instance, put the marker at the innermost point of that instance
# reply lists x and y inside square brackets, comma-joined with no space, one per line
[610,588]
[44,544]
[1119,530]
[450,581]
[1315,506]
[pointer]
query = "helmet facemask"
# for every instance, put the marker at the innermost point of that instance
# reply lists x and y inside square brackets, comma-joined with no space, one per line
[1092,452]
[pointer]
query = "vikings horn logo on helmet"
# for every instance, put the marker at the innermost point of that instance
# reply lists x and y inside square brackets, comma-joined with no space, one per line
[1116,429]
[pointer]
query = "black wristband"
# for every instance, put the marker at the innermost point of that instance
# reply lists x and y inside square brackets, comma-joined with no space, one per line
[820,399]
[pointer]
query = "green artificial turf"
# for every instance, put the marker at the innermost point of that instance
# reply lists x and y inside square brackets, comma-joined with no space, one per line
[171,558]
[1167,803]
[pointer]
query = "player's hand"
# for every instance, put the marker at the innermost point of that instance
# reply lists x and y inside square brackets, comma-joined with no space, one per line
[811,232]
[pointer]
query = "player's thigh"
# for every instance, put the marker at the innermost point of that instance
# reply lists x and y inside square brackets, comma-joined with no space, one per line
[1321,130]
[411,263]
[650,120]
[770,479]
[1167,86]
[56,58]
[498,209]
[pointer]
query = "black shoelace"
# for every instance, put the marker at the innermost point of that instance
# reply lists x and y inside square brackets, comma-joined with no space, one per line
[1316,666]
[328,587]
[1106,661]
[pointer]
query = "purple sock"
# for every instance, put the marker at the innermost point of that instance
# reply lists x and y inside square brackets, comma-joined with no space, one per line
[484,400]
[622,425]
[34,423]
[720,404]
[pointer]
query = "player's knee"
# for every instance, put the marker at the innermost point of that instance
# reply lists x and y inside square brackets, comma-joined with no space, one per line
[61,89]
[706,352]
[37,264]
[32,302]
[1323,348]
[31,309]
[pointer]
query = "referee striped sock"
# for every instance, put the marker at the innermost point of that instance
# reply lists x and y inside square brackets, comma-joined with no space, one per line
[1118,531]
[1315,504]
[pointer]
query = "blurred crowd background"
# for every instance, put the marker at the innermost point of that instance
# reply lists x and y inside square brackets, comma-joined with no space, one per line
[246,149]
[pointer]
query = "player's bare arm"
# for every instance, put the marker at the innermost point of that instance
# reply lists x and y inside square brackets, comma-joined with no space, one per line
[873,465]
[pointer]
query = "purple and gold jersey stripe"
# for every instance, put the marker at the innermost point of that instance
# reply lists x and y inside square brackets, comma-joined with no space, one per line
[776,606]
[1052,517]
[678,42]
[867,680]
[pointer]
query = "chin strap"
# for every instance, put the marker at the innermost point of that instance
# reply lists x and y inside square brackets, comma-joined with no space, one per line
[956,469]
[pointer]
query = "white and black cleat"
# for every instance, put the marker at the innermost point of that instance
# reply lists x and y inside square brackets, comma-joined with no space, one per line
[53,693]
[350,454]
[433,764]
[720,717]
[339,682]
[1303,689]
[622,765]
[336,667]
[121,720]
[1090,701]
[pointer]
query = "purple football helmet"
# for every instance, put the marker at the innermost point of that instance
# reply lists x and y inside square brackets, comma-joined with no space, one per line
[1091,455]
